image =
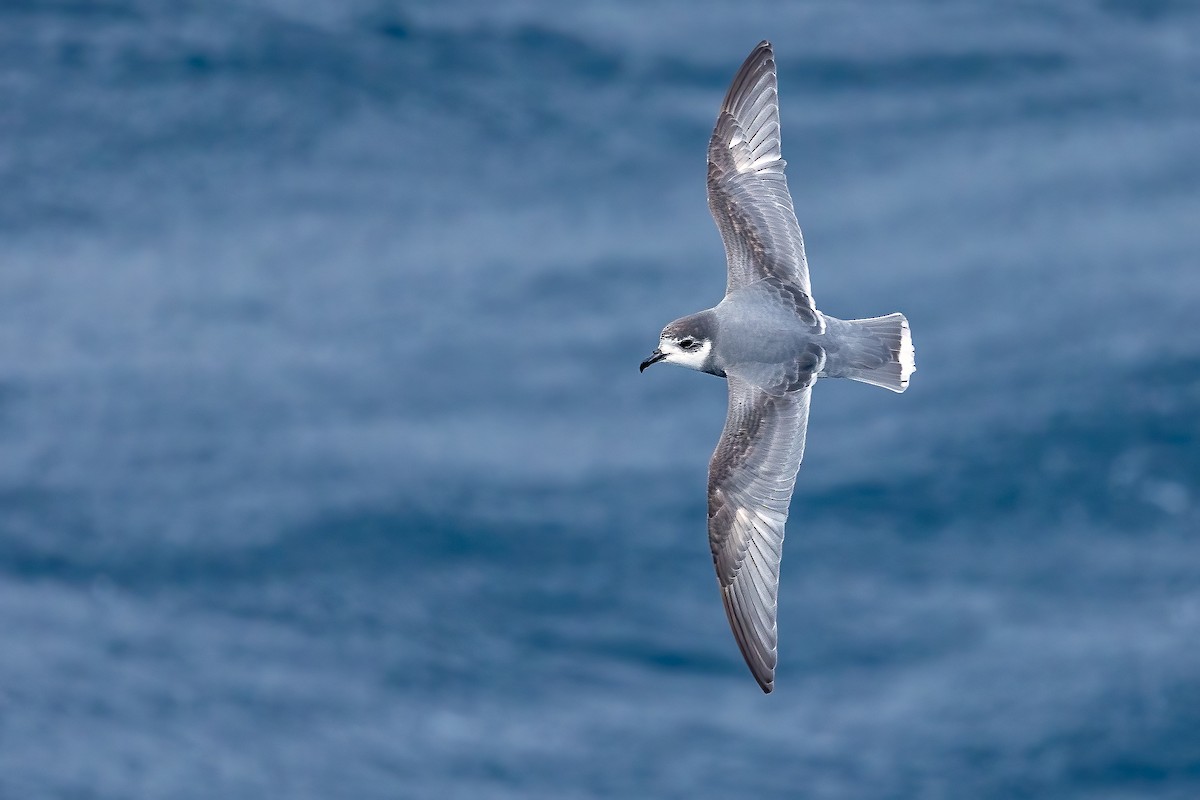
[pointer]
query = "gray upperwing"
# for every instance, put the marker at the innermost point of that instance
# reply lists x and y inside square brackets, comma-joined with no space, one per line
[750,482]
[747,190]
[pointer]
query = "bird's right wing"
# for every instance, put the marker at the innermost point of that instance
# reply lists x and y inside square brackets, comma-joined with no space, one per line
[747,190]
[750,482]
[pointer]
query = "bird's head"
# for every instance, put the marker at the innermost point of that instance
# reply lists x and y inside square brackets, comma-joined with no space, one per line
[686,342]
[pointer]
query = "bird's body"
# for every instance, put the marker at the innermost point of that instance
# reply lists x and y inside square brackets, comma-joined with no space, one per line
[765,331]
[767,338]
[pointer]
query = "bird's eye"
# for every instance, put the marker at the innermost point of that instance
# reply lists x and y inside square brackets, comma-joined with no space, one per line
[687,344]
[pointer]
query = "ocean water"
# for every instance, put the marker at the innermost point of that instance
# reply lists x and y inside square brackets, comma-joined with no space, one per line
[326,470]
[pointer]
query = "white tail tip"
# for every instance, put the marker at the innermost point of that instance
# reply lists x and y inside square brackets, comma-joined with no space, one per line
[908,361]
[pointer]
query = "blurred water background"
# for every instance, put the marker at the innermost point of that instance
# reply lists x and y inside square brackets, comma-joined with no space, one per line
[326,469]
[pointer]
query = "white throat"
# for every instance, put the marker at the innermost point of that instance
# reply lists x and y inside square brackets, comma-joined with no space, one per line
[692,359]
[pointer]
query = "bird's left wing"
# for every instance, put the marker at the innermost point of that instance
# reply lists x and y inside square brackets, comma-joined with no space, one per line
[750,482]
[747,190]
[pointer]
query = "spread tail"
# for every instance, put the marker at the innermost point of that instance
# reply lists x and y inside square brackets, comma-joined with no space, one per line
[892,332]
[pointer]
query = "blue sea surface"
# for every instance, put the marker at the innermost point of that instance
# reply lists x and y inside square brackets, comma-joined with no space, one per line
[326,470]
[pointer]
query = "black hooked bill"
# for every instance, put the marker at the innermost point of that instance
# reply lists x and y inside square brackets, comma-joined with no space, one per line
[655,357]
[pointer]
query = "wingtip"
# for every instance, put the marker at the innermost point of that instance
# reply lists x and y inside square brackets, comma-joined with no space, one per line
[764,675]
